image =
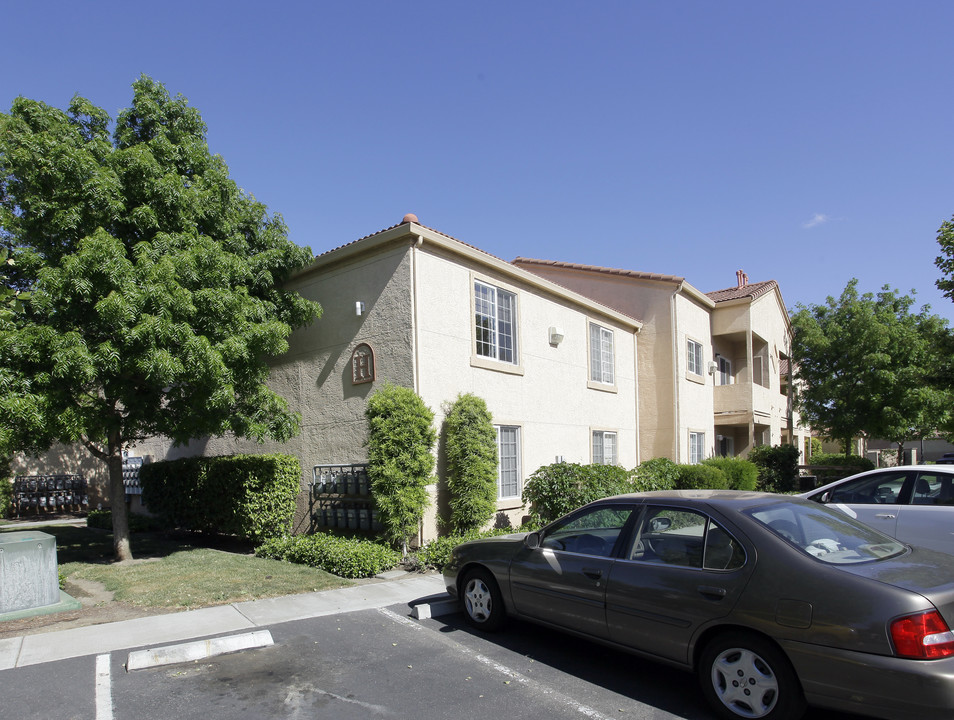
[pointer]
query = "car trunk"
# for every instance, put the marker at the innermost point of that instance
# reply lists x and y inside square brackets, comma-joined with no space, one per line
[923,571]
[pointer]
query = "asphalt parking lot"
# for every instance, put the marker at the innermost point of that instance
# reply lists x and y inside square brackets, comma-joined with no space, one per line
[376,663]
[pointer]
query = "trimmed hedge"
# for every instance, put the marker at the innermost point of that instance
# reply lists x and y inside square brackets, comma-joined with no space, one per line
[778,467]
[341,556]
[657,474]
[471,448]
[436,553]
[103,520]
[251,496]
[701,477]
[554,490]
[400,461]
[6,497]
[740,473]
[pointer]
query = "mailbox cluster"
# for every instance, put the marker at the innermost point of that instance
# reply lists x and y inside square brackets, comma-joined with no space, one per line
[50,493]
[341,498]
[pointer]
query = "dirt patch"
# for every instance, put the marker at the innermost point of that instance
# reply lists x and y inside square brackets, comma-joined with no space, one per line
[98,607]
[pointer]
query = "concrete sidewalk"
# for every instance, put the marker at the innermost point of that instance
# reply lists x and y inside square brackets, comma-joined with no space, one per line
[414,590]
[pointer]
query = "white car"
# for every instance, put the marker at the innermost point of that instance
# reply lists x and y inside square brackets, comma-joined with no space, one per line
[913,503]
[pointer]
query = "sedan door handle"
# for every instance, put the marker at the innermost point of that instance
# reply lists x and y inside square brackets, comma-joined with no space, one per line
[593,573]
[714,593]
[885,516]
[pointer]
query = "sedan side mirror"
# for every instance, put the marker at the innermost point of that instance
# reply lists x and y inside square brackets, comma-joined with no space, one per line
[532,540]
[660,524]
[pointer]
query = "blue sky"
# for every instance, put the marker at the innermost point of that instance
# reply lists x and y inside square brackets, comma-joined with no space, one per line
[807,142]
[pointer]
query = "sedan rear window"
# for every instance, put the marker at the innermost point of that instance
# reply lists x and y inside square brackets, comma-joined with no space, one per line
[825,534]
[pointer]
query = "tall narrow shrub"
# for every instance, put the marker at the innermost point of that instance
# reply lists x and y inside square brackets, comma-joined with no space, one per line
[400,463]
[471,448]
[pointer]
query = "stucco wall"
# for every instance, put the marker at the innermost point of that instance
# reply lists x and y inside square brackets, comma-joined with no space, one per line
[315,375]
[547,394]
[694,392]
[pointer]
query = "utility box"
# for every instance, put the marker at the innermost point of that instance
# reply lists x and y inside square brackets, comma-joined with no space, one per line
[28,571]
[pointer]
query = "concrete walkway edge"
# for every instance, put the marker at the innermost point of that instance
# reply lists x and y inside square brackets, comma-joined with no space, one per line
[205,622]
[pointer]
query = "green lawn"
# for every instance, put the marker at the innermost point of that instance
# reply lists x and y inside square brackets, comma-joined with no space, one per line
[179,572]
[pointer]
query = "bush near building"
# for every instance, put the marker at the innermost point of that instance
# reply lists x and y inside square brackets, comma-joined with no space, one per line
[656,474]
[740,474]
[250,496]
[470,445]
[400,462]
[341,556]
[778,467]
[701,477]
[554,490]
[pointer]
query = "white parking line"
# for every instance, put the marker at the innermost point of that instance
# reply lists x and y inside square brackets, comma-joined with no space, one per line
[502,669]
[104,689]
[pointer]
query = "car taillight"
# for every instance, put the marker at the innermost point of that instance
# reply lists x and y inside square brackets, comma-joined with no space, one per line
[924,636]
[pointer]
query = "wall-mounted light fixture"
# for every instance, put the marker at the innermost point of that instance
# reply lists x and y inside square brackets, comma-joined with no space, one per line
[560,459]
[359,308]
[713,366]
[556,335]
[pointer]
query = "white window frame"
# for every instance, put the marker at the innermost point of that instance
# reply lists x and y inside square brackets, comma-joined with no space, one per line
[509,485]
[495,316]
[697,447]
[605,447]
[602,355]
[694,358]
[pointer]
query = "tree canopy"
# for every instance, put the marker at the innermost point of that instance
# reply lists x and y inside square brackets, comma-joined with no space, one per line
[867,365]
[148,285]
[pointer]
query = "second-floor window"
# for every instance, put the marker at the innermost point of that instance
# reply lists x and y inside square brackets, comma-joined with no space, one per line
[604,447]
[694,351]
[602,364]
[495,312]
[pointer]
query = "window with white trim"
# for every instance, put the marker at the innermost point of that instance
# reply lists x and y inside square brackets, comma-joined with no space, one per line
[694,351]
[508,469]
[602,362]
[697,447]
[495,312]
[604,447]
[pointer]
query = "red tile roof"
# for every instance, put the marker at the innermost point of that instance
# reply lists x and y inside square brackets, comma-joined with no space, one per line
[752,291]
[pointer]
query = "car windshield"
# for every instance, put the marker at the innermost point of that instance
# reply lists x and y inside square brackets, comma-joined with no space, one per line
[825,534]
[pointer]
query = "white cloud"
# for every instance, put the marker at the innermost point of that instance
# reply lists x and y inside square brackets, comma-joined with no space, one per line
[817,219]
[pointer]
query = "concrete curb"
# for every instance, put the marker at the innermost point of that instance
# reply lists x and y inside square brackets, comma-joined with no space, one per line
[242,617]
[198,650]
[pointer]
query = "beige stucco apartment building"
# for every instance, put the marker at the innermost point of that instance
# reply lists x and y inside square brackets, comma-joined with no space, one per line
[713,368]
[575,363]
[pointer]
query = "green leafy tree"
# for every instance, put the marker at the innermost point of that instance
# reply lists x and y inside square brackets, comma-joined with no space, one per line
[865,366]
[154,281]
[471,449]
[401,437]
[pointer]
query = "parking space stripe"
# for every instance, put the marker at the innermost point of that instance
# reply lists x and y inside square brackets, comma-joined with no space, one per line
[513,675]
[104,689]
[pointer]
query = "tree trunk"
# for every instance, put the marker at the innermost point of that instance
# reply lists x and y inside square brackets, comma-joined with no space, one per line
[117,502]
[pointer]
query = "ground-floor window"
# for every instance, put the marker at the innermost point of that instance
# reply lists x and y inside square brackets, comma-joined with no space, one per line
[697,447]
[604,447]
[508,470]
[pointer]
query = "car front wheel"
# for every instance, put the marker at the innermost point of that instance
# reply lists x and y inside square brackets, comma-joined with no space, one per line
[483,603]
[745,676]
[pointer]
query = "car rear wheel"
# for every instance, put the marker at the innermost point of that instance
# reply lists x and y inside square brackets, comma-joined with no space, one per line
[483,603]
[745,676]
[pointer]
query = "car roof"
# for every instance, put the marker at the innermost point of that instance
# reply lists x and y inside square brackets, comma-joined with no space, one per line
[944,469]
[716,498]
